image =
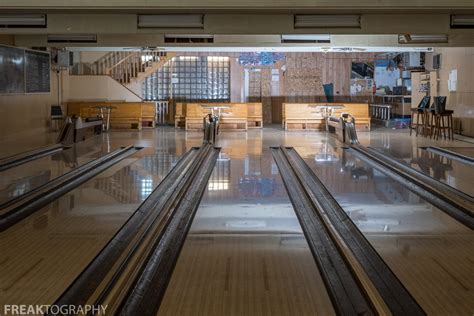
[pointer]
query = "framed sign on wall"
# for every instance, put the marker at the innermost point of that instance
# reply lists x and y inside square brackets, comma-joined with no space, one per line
[24,71]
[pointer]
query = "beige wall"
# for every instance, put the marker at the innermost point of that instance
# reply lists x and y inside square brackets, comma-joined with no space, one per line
[23,114]
[26,113]
[91,57]
[462,59]
[97,88]
[7,39]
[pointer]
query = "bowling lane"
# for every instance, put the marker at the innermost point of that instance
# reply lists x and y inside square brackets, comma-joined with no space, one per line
[452,172]
[246,253]
[430,253]
[43,254]
[16,144]
[466,151]
[26,177]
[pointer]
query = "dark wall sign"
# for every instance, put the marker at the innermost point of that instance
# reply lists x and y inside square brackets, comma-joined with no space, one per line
[24,71]
[12,70]
[37,71]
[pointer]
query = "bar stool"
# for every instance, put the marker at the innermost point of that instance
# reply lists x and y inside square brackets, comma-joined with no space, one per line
[429,119]
[420,111]
[442,119]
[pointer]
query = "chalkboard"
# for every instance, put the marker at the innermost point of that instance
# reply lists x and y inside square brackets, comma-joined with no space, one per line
[12,70]
[37,72]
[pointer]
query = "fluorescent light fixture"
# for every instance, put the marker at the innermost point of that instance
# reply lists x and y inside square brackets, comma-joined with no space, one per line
[305,38]
[171,21]
[422,39]
[461,21]
[23,20]
[326,21]
[70,38]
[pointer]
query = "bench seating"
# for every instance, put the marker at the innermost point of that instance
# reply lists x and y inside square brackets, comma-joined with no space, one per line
[239,116]
[233,118]
[359,111]
[126,115]
[301,116]
[254,115]
[298,116]
[180,115]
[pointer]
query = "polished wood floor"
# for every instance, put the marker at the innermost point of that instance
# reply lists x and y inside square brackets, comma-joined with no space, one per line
[246,275]
[262,271]
[437,269]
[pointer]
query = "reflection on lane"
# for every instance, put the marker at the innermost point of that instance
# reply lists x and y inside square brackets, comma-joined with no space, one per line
[245,253]
[441,168]
[22,179]
[47,251]
[466,151]
[429,251]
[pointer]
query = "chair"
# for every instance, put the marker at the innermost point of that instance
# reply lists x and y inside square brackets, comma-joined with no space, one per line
[420,112]
[441,119]
[57,116]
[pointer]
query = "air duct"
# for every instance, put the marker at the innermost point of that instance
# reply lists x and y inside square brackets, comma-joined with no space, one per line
[189,38]
[69,38]
[295,39]
[422,39]
[23,21]
[462,21]
[326,21]
[191,21]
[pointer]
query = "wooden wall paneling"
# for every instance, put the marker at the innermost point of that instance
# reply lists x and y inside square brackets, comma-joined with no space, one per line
[266,86]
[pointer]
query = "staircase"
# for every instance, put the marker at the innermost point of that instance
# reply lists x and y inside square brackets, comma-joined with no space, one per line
[131,68]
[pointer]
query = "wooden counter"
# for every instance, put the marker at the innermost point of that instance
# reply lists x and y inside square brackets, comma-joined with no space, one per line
[302,116]
[239,116]
[126,115]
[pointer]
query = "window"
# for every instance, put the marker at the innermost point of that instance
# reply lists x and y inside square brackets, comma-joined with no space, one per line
[190,78]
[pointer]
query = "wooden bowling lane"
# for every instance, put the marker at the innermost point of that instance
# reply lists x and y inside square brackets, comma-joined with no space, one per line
[43,257]
[251,274]
[22,179]
[431,253]
[245,254]
[44,253]
[437,269]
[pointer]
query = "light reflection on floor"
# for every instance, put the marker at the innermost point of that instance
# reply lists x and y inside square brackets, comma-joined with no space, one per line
[246,207]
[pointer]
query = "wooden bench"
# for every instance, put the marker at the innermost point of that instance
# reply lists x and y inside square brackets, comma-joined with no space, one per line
[194,116]
[254,115]
[180,115]
[233,118]
[302,116]
[126,115]
[148,119]
[359,111]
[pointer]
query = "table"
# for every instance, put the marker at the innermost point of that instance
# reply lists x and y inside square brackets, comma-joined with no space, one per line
[328,111]
[107,110]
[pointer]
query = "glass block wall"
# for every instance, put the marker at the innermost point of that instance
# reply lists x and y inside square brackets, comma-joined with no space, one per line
[190,78]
